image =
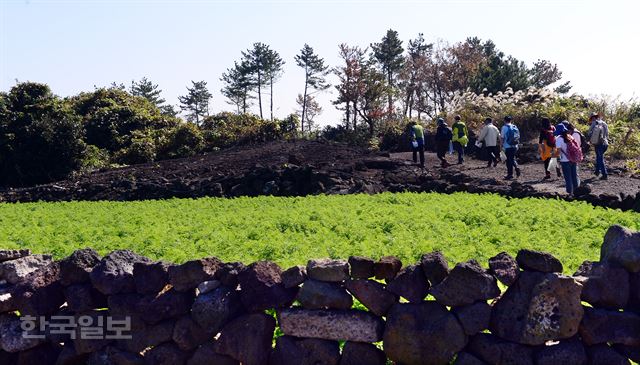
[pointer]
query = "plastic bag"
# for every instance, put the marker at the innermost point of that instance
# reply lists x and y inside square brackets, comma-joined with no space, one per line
[414,144]
[553,164]
[479,144]
[503,156]
[450,148]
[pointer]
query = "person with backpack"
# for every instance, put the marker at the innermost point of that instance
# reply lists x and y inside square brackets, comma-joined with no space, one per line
[547,147]
[417,142]
[490,138]
[443,139]
[584,143]
[570,156]
[510,141]
[599,138]
[579,138]
[460,137]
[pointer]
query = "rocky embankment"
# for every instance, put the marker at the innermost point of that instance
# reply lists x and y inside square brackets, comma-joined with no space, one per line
[209,312]
[311,167]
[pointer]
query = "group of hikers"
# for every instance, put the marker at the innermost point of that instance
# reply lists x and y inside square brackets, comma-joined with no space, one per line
[561,143]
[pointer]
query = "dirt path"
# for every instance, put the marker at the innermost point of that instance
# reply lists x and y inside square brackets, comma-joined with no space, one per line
[532,174]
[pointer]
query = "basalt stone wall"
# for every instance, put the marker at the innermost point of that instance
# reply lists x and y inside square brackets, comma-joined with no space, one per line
[343,312]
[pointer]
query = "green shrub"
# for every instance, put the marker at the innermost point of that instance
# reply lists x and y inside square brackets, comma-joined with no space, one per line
[111,116]
[95,158]
[358,137]
[141,149]
[229,129]
[182,141]
[40,136]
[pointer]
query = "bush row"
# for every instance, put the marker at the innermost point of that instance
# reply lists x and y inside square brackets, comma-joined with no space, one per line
[44,137]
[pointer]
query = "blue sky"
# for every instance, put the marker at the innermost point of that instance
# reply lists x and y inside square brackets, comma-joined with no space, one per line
[74,45]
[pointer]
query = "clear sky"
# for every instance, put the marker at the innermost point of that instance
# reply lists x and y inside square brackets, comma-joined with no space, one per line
[73,45]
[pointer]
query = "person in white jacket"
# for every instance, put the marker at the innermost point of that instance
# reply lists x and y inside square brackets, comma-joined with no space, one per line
[490,137]
[569,169]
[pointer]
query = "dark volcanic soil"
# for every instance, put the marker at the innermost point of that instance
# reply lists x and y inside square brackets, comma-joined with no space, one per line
[314,167]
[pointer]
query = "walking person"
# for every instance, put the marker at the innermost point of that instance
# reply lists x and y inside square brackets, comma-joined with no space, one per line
[547,148]
[443,139]
[577,136]
[570,156]
[599,138]
[510,140]
[460,137]
[490,138]
[417,142]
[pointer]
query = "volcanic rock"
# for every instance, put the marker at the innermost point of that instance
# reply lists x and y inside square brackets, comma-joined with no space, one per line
[466,284]
[332,324]
[424,333]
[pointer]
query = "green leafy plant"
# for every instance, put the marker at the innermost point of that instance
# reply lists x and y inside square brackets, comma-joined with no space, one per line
[292,230]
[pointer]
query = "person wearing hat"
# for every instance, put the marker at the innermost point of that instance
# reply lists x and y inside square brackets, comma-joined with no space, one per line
[460,137]
[443,139]
[547,147]
[417,142]
[599,138]
[564,137]
[510,140]
[490,138]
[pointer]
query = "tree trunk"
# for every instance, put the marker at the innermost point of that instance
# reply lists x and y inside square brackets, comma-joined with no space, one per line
[271,90]
[355,116]
[406,102]
[389,79]
[244,100]
[410,107]
[348,114]
[260,93]
[304,99]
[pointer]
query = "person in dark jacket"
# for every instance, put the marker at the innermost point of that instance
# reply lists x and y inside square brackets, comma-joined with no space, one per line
[443,140]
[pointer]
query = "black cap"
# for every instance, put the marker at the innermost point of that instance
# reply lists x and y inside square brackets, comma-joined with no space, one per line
[508,118]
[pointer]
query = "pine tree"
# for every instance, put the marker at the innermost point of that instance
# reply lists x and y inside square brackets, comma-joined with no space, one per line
[256,60]
[388,54]
[273,71]
[350,86]
[148,90]
[237,86]
[315,73]
[196,102]
[418,55]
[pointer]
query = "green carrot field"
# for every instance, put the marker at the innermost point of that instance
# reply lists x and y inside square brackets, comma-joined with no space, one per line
[292,230]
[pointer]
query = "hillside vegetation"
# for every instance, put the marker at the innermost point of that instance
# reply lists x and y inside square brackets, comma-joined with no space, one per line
[45,137]
[291,230]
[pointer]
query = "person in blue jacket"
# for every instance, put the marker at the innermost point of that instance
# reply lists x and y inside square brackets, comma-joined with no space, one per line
[510,141]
